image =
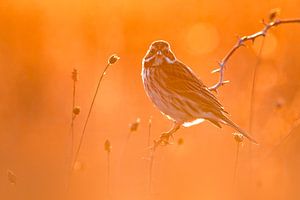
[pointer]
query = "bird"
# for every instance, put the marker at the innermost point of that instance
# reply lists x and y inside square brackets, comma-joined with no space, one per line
[179,94]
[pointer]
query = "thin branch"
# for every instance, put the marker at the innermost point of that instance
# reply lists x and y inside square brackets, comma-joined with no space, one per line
[113,59]
[241,42]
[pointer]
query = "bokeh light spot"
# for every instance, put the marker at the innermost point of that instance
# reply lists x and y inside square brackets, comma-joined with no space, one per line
[202,38]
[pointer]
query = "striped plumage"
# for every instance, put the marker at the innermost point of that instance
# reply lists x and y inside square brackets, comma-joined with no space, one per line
[178,93]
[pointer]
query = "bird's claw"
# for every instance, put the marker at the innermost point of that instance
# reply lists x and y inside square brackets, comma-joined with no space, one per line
[165,139]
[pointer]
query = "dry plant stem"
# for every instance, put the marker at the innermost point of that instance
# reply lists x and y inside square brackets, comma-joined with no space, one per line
[241,42]
[251,109]
[162,141]
[253,87]
[73,118]
[89,113]
[152,150]
[236,162]
[108,175]
[149,131]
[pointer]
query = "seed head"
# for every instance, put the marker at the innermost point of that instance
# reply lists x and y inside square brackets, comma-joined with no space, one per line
[107,146]
[238,137]
[76,110]
[134,126]
[11,177]
[113,59]
[74,75]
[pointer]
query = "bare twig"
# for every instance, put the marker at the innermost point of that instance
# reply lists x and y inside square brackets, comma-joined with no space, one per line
[113,59]
[241,42]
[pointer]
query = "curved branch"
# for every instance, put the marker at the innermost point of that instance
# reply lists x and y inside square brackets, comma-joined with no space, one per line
[241,42]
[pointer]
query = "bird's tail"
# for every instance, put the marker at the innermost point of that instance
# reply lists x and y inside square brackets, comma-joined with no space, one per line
[236,127]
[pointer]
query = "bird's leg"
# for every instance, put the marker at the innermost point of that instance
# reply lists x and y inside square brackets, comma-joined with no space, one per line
[165,137]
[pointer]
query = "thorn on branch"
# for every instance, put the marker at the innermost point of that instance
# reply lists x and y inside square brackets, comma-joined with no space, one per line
[241,40]
[244,45]
[216,70]
[263,22]
[225,82]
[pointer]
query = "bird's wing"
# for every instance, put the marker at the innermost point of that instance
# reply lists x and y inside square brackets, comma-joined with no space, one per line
[181,80]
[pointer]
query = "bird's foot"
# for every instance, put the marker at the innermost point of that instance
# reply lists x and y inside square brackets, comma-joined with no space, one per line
[164,138]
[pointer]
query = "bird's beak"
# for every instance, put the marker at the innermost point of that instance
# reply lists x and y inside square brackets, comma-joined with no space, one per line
[158,58]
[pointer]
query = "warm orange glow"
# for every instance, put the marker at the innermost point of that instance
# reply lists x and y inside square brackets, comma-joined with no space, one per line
[41,41]
[202,38]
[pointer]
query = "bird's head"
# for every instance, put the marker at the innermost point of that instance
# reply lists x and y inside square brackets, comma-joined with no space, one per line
[158,53]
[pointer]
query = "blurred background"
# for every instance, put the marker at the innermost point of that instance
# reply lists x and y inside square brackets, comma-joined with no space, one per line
[42,41]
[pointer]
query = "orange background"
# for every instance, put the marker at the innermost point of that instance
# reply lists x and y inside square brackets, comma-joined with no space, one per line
[42,41]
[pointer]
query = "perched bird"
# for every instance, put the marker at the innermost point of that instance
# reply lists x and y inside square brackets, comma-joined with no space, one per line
[178,93]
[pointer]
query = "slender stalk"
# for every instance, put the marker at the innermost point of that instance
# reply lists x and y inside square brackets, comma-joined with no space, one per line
[251,109]
[152,151]
[112,60]
[89,113]
[108,175]
[107,148]
[239,139]
[151,157]
[236,162]
[73,115]
[149,131]
[253,87]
